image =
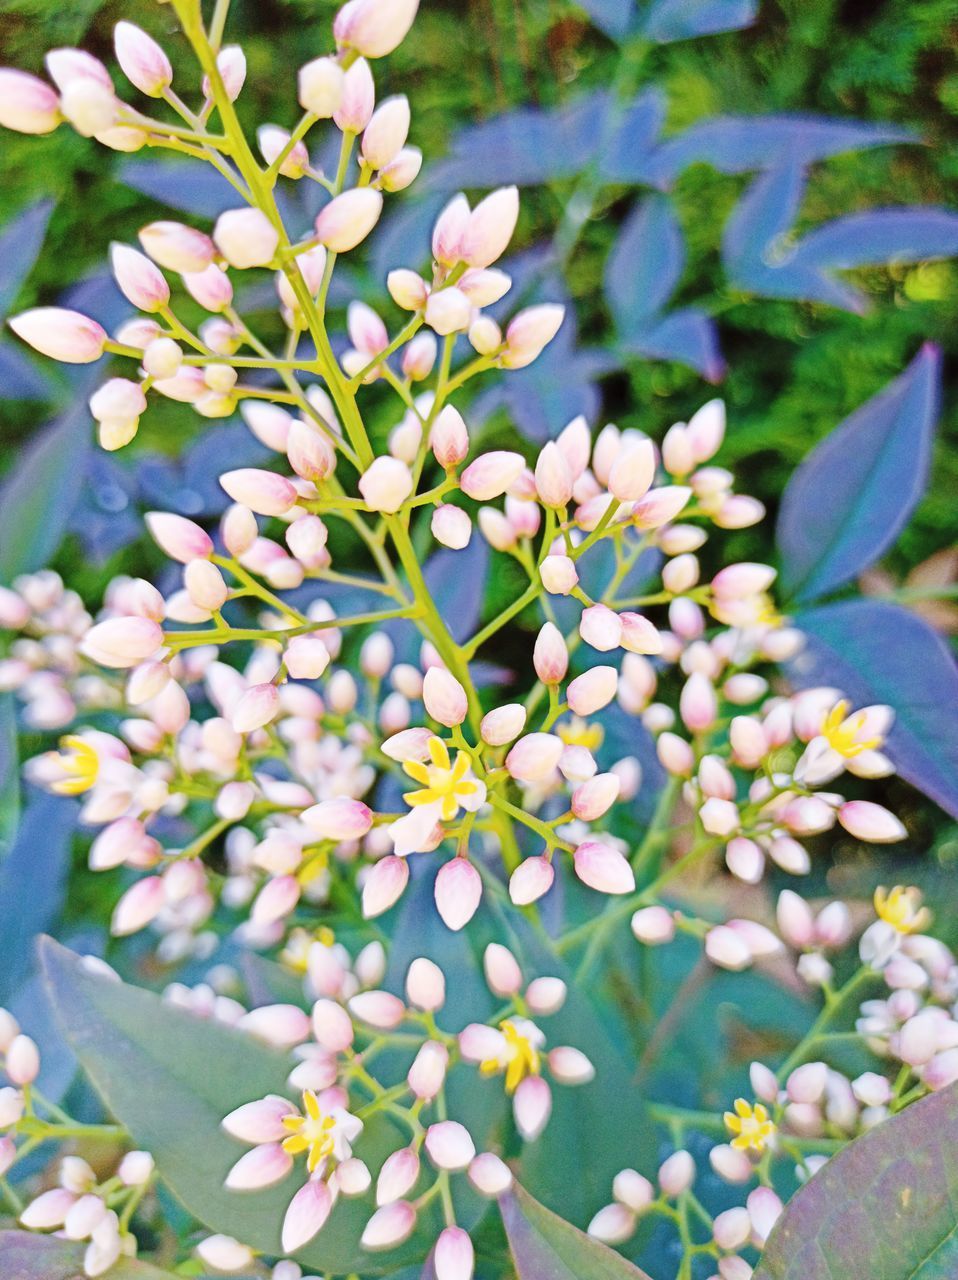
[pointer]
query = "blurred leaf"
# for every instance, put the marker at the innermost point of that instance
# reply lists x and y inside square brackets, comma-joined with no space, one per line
[20,243]
[883,1206]
[38,497]
[9,770]
[878,652]
[20,379]
[645,265]
[34,1257]
[33,878]
[881,235]
[456,582]
[628,155]
[852,496]
[736,144]
[169,1078]
[666,20]
[687,336]
[614,17]
[546,1247]
[181,184]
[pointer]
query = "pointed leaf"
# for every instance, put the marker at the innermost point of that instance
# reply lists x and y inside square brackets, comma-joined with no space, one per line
[852,496]
[170,1078]
[881,235]
[546,1247]
[33,1257]
[628,157]
[645,264]
[667,20]
[614,17]
[687,336]
[878,652]
[883,1206]
[20,243]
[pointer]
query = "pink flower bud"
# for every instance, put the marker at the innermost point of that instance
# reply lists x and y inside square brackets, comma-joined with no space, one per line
[458,891]
[613,1224]
[276,900]
[444,697]
[867,821]
[374,27]
[389,1226]
[139,279]
[449,1145]
[397,1176]
[264,492]
[489,1175]
[142,60]
[384,885]
[273,142]
[386,484]
[795,920]
[409,291]
[749,743]
[306,539]
[653,925]
[633,471]
[206,585]
[306,1215]
[503,724]
[638,634]
[332,1026]
[448,311]
[260,1121]
[256,708]
[379,1009]
[23,1061]
[531,1107]
[501,968]
[213,291]
[451,526]
[320,87]
[632,1190]
[570,1065]
[595,797]
[428,1071]
[385,135]
[600,627]
[738,581]
[348,218]
[550,656]
[453,1257]
[425,985]
[727,949]
[180,538]
[677,1173]
[529,333]
[448,231]
[489,229]
[339,819]
[698,703]
[807,1082]
[917,1040]
[48,1210]
[419,357]
[534,757]
[485,336]
[491,474]
[177,247]
[449,437]
[603,868]
[764,1209]
[660,506]
[27,104]
[245,237]
[62,335]
[592,691]
[558,575]
[401,172]
[122,642]
[138,906]
[358,98]
[732,1228]
[531,880]
[306,657]
[719,817]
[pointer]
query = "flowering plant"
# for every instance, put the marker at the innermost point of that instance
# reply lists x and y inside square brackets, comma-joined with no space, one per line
[397,883]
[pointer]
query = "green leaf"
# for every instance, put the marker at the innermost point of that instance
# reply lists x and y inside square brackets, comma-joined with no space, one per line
[546,1247]
[882,1207]
[28,1257]
[170,1077]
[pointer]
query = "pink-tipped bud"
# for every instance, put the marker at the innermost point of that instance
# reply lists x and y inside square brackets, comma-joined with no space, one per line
[27,104]
[142,60]
[489,229]
[600,627]
[448,232]
[529,333]
[374,28]
[260,1121]
[604,868]
[409,291]
[592,691]
[795,920]
[531,880]
[485,336]
[595,797]
[453,1257]
[48,1210]
[179,538]
[139,279]
[384,885]
[177,247]
[206,585]
[531,1107]
[501,968]
[389,1226]
[245,238]
[348,219]
[458,891]
[449,437]
[276,900]
[558,575]
[401,172]
[503,724]
[122,642]
[569,1065]
[138,906]
[677,1173]
[23,1061]
[264,492]
[385,135]
[306,657]
[807,1083]
[61,334]
[320,87]
[698,703]
[264,1166]
[489,1175]
[550,656]
[256,708]
[419,357]
[273,142]
[653,925]
[306,1215]
[613,1224]
[660,506]
[339,819]
[386,484]
[231,64]
[379,1009]
[749,743]
[633,471]
[398,1176]
[739,581]
[332,1026]
[444,697]
[553,477]
[449,1145]
[868,821]
[534,757]
[425,985]
[358,98]
[727,949]
[448,311]
[451,526]
[428,1071]
[491,474]
[223,1253]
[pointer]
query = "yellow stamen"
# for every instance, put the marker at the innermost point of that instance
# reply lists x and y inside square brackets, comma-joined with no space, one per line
[312,1133]
[80,763]
[579,733]
[751,1125]
[523,1058]
[443,782]
[901,908]
[843,732]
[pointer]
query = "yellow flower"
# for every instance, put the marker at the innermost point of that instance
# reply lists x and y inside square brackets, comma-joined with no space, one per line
[579,733]
[901,908]
[751,1126]
[844,733]
[313,1133]
[443,783]
[295,955]
[80,765]
[521,1057]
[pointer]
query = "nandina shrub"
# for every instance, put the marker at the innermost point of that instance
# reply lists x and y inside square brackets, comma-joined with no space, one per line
[457,949]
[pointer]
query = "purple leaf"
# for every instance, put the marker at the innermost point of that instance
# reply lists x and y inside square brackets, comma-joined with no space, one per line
[851,497]
[614,17]
[546,1247]
[737,144]
[628,155]
[879,652]
[645,265]
[20,242]
[20,379]
[884,1206]
[667,20]
[881,235]
[456,582]
[24,1256]
[688,336]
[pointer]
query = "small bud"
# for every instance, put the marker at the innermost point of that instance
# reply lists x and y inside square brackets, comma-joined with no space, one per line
[428,1071]
[534,757]
[489,1175]
[451,526]
[23,1061]
[531,880]
[529,333]
[677,1173]
[531,1107]
[868,821]
[444,697]
[27,104]
[448,311]
[389,1226]
[592,691]
[449,1145]
[491,474]
[61,334]
[458,891]
[379,1009]
[348,218]
[306,1214]
[503,724]
[603,868]
[385,135]
[384,885]
[245,237]
[256,708]
[264,492]
[320,86]
[489,229]
[358,98]
[177,247]
[386,484]
[501,968]
[142,60]
[558,575]
[453,1257]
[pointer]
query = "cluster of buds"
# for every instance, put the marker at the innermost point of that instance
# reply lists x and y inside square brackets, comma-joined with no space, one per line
[338,1093]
